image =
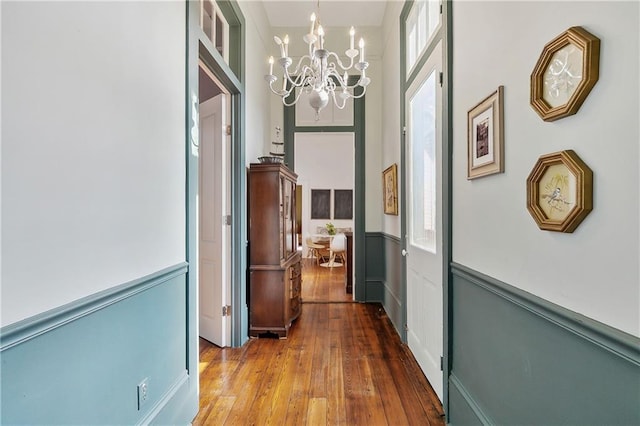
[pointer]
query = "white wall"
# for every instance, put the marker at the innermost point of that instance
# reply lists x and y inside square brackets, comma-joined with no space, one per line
[258,101]
[323,161]
[593,271]
[93,131]
[337,40]
[391,127]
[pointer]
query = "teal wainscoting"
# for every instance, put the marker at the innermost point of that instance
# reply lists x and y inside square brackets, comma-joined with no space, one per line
[374,268]
[82,363]
[393,304]
[384,274]
[518,359]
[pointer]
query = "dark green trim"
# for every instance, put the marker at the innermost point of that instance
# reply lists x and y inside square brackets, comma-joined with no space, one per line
[231,76]
[437,36]
[237,45]
[233,15]
[468,412]
[321,129]
[443,34]
[447,196]
[516,352]
[215,62]
[384,273]
[289,131]
[359,121]
[191,185]
[32,327]
[615,341]
[403,152]
[188,400]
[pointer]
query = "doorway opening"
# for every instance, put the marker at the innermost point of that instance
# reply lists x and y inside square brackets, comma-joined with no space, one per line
[214,210]
[326,208]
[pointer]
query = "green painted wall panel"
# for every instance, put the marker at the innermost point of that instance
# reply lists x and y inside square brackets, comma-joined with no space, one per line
[463,413]
[86,371]
[375,266]
[393,281]
[523,360]
[384,275]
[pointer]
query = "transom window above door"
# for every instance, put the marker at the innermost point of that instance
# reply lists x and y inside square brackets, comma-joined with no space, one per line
[215,27]
[422,22]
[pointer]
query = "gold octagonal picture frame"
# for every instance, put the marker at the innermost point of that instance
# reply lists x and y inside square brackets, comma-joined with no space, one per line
[565,73]
[560,191]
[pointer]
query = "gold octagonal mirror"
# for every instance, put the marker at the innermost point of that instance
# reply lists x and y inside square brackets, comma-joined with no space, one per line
[560,191]
[565,73]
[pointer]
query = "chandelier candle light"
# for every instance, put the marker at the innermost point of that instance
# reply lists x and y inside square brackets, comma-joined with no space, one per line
[319,72]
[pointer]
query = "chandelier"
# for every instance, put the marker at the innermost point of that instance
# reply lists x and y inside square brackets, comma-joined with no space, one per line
[320,73]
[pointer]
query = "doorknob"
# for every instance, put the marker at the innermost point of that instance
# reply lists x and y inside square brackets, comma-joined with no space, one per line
[404,252]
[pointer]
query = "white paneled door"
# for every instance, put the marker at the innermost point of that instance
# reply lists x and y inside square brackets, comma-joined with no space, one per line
[214,232]
[424,262]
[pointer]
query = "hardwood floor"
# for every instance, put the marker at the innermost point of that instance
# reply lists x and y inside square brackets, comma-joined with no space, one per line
[343,364]
[321,284]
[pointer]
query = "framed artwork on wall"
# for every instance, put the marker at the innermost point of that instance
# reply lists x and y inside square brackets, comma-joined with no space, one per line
[565,73]
[485,137]
[560,191]
[390,189]
[320,204]
[343,204]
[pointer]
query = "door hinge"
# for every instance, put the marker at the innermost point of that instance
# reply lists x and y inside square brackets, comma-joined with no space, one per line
[441,77]
[404,131]
[440,8]
[441,364]
[226,311]
[228,130]
[406,327]
[226,219]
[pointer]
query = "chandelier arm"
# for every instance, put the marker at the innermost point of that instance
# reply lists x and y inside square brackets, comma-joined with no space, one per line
[297,82]
[297,97]
[337,77]
[335,101]
[335,55]
[344,84]
[301,79]
[330,84]
[364,90]
[297,68]
[282,93]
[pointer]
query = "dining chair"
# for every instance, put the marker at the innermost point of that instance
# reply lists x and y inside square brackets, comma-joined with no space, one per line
[338,248]
[313,249]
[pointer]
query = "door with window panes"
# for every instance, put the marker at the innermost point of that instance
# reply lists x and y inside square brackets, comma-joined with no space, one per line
[424,191]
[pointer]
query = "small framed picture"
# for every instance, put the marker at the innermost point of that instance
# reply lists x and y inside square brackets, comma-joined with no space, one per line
[390,189]
[320,204]
[485,137]
[560,191]
[343,204]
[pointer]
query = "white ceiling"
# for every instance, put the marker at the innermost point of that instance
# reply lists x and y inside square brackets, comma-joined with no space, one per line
[333,13]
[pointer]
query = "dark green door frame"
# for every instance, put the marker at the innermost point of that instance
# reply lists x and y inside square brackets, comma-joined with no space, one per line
[358,129]
[443,34]
[231,76]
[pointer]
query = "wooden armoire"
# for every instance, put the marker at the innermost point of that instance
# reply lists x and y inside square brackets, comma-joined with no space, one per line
[274,260]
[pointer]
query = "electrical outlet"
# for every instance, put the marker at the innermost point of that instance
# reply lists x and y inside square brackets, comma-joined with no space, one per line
[143,392]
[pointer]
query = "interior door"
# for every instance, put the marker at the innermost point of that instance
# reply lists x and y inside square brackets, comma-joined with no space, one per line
[424,183]
[214,233]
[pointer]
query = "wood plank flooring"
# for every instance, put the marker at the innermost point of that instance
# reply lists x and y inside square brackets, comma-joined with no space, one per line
[342,364]
[321,284]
